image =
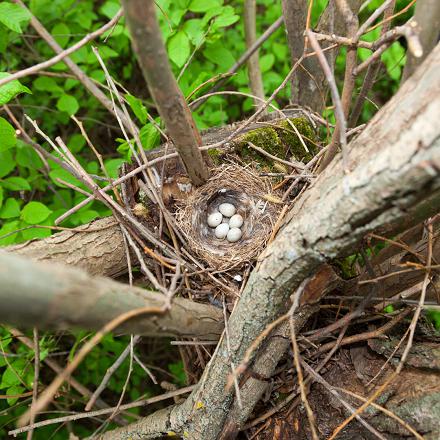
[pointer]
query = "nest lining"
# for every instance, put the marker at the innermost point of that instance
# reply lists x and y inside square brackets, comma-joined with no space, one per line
[242,187]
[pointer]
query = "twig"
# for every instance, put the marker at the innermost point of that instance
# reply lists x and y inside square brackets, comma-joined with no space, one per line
[339,113]
[57,58]
[412,329]
[249,52]
[50,391]
[36,379]
[385,411]
[82,77]
[109,374]
[297,362]
[333,391]
[228,346]
[105,411]
[297,165]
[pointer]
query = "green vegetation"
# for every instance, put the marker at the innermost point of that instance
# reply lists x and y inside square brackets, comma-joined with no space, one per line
[204,38]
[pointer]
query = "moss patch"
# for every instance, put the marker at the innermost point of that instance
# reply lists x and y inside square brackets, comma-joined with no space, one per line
[279,140]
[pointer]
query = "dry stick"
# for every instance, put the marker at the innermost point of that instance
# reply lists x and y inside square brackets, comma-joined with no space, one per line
[45,64]
[370,20]
[36,379]
[385,411]
[256,98]
[250,32]
[249,52]
[297,362]
[109,374]
[50,391]
[333,391]
[402,11]
[407,31]
[345,41]
[81,389]
[149,46]
[339,113]
[105,411]
[297,165]
[365,336]
[405,354]
[372,72]
[82,77]
[228,346]
[342,106]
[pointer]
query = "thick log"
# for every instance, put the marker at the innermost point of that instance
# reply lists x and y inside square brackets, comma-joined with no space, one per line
[394,164]
[56,297]
[96,247]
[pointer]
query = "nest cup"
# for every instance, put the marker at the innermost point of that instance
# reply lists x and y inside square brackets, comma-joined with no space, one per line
[246,191]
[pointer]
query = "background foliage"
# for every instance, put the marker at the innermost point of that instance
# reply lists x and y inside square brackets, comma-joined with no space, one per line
[204,38]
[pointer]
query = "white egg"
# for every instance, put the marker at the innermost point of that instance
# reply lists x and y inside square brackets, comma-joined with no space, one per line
[234,235]
[227,209]
[221,231]
[214,219]
[236,221]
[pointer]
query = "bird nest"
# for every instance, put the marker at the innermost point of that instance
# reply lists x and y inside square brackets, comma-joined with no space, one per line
[250,194]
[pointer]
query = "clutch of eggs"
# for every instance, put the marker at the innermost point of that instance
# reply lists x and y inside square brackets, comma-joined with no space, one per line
[226,223]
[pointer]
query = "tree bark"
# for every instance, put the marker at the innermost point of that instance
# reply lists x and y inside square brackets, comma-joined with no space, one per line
[427,18]
[394,164]
[173,109]
[309,85]
[100,252]
[254,72]
[51,296]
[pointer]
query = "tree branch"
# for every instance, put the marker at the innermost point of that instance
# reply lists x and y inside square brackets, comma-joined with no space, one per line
[57,297]
[153,59]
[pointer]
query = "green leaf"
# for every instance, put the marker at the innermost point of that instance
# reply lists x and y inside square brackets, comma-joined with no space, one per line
[194,29]
[7,163]
[226,18]
[112,166]
[47,84]
[16,184]
[266,62]
[6,229]
[179,48]
[218,54]
[12,16]
[61,33]
[204,5]
[7,135]
[10,378]
[61,173]
[138,107]
[109,9]
[32,233]
[10,209]
[68,104]
[35,212]
[11,89]
[27,157]
[149,136]
[76,143]
[1,196]
[14,391]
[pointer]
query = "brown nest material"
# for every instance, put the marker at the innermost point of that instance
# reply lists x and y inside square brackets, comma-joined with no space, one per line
[250,194]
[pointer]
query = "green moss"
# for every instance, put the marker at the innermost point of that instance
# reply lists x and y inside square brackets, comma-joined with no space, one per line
[215,155]
[279,140]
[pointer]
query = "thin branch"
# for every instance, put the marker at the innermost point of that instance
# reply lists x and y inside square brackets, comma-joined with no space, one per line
[57,58]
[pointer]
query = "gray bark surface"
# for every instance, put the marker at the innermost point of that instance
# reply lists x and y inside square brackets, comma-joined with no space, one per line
[394,164]
[51,296]
[100,252]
